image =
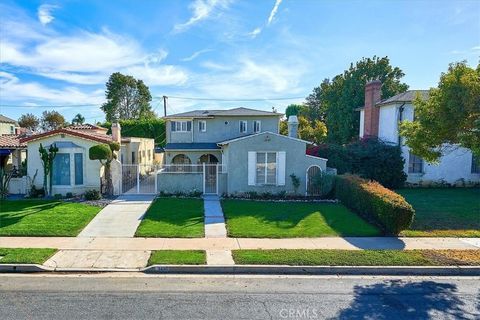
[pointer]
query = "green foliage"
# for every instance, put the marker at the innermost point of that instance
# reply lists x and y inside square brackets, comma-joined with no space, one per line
[92,195]
[324,182]
[451,115]
[79,119]
[52,120]
[4,182]
[152,128]
[375,203]
[29,121]
[127,98]
[295,182]
[369,158]
[314,131]
[58,196]
[69,195]
[335,100]
[100,152]
[47,157]
[294,110]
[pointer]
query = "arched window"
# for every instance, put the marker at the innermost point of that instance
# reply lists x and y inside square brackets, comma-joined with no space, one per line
[181,159]
[208,158]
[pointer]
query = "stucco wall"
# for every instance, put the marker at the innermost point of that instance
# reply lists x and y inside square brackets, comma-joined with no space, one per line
[388,124]
[362,123]
[5,128]
[179,182]
[194,156]
[297,162]
[218,130]
[91,168]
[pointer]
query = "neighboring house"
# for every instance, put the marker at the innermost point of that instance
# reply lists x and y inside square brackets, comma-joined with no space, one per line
[7,125]
[234,151]
[73,171]
[381,118]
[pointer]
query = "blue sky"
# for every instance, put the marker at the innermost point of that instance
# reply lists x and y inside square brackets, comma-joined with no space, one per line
[61,53]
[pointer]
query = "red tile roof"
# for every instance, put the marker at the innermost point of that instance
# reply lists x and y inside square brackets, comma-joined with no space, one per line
[11,141]
[86,126]
[82,133]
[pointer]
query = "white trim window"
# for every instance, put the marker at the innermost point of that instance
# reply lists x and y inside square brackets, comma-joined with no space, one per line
[202,126]
[415,164]
[266,168]
[181,126]
[257,126]
[243,126]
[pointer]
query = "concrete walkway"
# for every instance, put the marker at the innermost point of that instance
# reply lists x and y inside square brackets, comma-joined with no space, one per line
[120,218]
[148,244]
[214,219]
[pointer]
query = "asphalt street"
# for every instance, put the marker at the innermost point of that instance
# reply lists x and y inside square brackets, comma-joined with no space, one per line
[138,296]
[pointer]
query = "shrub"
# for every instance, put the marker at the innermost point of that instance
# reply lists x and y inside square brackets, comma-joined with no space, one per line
[369,158]
[69,195]
[58,196]
[295,182]
[146,128]
[375,203]
[92,195]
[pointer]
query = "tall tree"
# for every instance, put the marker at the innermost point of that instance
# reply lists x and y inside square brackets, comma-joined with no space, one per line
[450,116]
[313,131]
[335,100]
[127,98]
[52,120]
[294,109]
[29,121]
[78,119]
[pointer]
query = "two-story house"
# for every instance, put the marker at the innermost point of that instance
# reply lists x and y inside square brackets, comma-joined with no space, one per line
[234,151]
[381,118]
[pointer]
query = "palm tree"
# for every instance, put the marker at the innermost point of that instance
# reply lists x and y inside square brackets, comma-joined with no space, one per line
[79,119]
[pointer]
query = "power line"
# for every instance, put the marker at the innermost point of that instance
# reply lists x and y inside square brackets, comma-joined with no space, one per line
[49,106]
[221,99]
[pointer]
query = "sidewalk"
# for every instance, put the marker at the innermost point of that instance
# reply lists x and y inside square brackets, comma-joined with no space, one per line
[142,244]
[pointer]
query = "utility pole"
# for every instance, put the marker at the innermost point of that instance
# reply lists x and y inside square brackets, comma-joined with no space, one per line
[165,106]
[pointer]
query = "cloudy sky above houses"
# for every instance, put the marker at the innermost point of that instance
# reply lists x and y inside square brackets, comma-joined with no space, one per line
[61,53]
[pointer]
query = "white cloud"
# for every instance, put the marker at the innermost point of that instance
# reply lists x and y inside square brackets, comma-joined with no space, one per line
[255,32]
[196,54]
[476,48]
[44,13]
[202,10]
[274,11]
[14,90]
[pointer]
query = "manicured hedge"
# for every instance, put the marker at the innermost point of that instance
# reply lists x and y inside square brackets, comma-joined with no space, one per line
[145,128]
[371,200]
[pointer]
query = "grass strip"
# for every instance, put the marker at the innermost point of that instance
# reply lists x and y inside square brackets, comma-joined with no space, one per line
[192,257]
[25,255]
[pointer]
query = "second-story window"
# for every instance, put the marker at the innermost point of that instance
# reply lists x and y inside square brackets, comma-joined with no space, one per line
[202,126]
[243,126]
[181,126]
[257,126]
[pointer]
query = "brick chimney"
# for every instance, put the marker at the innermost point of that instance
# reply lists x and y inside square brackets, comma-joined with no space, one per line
[373,95]
[293,126]
[116,132]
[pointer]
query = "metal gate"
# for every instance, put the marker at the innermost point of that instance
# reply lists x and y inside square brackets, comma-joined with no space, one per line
[210,178]
[139,179]
[313,187]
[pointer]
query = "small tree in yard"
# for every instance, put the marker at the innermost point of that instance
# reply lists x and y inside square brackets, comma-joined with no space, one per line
[295,182]
[47,157]
[105,154]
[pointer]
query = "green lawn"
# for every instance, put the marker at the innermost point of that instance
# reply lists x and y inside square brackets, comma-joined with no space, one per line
[44,218]
[444,212]
[357,257]
[25,255]
[177,257]
[173,218]
[262,219]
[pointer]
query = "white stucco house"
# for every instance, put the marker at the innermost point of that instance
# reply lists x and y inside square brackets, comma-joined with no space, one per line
[381,118]
[73,171]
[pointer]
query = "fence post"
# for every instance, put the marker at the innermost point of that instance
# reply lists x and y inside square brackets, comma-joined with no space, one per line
[155,170]
[138,178]
[216,178]
[204,176]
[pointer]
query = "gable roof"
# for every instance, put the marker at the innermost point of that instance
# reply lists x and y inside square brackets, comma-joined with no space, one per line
[6,119]
[11,141]
[407,96]
[84,134]
[235,112]
[260,133]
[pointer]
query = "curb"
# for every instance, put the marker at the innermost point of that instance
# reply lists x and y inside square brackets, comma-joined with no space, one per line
[264,270]
[317,270]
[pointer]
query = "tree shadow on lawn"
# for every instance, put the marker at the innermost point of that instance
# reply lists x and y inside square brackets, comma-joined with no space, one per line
[397,299]
[12,212]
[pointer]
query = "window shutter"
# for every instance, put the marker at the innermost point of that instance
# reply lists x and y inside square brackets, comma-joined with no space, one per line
[281,157]
[172,128]
[252,159]
[189,126]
